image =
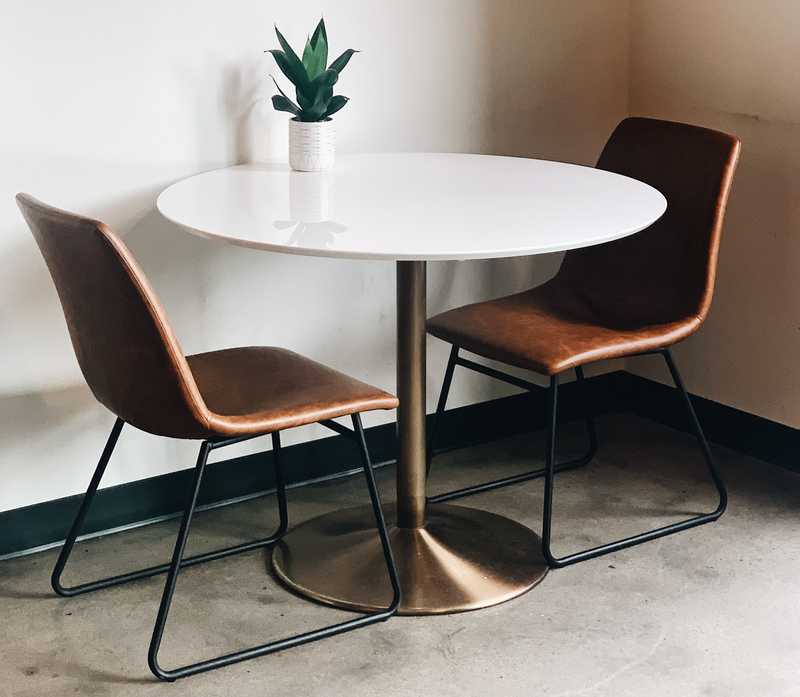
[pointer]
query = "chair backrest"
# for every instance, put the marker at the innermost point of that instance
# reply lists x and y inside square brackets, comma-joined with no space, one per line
[666,272]
[124,345]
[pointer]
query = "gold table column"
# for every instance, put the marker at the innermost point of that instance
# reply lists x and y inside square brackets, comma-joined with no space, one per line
[450,558]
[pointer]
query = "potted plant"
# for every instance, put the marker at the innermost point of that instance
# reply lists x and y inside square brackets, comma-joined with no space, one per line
[311,134]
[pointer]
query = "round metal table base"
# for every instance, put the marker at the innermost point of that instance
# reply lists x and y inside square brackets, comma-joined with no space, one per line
[462,559]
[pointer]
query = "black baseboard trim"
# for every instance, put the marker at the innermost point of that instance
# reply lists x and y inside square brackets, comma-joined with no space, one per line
[154,498]
[31,528]
[733,428]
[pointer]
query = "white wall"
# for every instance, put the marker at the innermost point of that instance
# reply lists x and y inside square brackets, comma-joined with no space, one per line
[107,102]
[735,66]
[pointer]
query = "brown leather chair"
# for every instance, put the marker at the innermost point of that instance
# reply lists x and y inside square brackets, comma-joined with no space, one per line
[634,296]
[135,367]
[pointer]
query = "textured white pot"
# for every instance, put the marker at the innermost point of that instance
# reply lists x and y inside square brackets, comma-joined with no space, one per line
[311,145]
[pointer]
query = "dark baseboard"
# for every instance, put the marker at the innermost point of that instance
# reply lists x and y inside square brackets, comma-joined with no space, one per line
[127,504]
[739,430]
[155,497]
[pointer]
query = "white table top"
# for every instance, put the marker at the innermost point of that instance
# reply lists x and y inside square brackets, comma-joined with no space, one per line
[414,206]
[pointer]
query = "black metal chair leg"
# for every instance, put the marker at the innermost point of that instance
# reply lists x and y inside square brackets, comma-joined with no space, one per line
[440,405]
[77,525]
[175,565]
[549,467]
[698,433]
[557,562]
[379,519]
[514,479]
[289,642]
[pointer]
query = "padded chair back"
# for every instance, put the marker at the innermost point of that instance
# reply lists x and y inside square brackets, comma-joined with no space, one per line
[666,272]
[124,345]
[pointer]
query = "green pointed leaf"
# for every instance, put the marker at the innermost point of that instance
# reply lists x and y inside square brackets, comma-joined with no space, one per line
[308,52]
[283,94]
[321,49]
[314,58]
[295,64]
[319,32]
[297,76]
[281,103]
[339,64]
[335,104]
[319,42]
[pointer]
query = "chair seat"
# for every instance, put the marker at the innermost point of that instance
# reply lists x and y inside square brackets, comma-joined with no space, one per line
[264,389]
[549,330]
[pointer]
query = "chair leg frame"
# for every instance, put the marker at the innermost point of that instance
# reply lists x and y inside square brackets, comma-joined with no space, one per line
[552,468]
[179,562]
[77,526]
[557,562]
[454,361]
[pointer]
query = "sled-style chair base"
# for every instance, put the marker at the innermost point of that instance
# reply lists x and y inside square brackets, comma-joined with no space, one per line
[551,468]
[179,561]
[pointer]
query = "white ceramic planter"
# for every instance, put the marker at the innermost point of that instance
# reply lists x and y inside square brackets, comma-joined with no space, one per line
[311,145]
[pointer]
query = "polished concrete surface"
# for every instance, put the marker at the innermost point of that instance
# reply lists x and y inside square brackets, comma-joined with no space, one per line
[714,611]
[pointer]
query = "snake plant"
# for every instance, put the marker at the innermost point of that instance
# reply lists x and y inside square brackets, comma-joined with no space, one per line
[312,77]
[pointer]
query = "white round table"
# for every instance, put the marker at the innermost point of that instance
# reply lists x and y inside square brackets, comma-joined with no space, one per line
[413,208]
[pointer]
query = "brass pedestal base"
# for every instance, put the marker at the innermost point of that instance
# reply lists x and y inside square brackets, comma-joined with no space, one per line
[462,559]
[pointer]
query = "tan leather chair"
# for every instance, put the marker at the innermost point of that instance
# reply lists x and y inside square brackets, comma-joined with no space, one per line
[635,296]
[135,367]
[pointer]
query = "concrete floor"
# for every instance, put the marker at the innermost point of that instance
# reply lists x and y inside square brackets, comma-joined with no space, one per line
[712,611]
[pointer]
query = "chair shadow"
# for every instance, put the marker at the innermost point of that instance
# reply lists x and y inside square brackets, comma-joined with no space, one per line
[114,678]
[24,595]
[641,513]
[86,673]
